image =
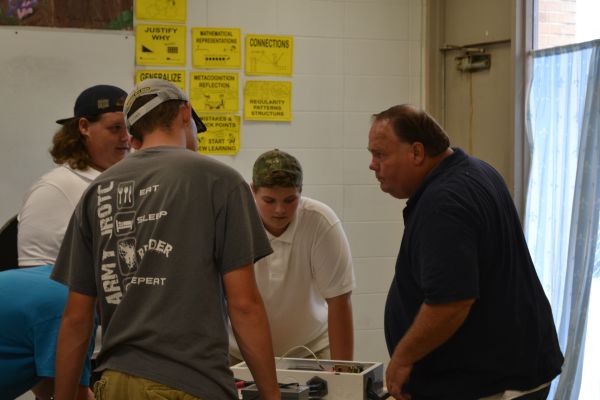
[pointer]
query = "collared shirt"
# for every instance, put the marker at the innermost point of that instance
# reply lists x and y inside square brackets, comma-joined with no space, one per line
[463,240]
[311,262]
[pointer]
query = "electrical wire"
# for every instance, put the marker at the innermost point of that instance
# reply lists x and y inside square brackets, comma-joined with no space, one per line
[307,349]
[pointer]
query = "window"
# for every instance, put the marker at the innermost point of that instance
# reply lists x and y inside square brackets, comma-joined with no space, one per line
[562,22]
[563,200]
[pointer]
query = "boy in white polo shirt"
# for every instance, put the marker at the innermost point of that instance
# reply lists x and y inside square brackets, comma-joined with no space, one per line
[306,283]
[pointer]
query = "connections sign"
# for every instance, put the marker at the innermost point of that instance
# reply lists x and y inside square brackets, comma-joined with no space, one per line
[269,55]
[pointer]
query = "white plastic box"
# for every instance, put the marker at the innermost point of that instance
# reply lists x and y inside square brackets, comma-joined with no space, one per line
[340,385]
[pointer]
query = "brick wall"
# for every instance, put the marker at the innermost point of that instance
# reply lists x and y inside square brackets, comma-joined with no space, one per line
[556,22]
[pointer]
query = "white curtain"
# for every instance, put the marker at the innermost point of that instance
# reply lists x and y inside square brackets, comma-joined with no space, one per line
[563,198]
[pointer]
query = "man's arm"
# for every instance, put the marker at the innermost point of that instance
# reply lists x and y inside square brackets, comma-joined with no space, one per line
[73,343]
[341,329]
[433,326]
[251,329]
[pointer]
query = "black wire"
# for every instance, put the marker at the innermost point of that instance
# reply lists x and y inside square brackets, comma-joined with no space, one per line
[281,386]
[372,395]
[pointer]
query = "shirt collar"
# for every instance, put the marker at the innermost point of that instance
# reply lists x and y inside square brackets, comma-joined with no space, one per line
[447,163]
[88,174]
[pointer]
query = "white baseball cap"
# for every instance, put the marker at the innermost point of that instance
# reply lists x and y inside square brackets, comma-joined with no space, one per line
[163,91]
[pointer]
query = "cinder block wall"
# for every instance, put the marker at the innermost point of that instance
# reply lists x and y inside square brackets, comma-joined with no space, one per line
[351,59]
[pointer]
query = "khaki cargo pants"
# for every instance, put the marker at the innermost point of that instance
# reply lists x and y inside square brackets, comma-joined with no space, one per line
[114,385]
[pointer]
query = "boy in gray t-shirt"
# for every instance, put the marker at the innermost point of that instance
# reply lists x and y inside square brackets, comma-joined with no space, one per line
[156,239]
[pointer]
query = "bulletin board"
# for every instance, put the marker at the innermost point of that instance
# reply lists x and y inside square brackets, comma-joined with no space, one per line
[87,14]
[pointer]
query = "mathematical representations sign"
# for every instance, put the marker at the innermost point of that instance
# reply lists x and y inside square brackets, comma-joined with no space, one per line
[216,48]
[222,135]
[268,101]
[160,45]
[269,55]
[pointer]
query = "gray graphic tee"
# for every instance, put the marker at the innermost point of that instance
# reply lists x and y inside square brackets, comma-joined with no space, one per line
[151,238]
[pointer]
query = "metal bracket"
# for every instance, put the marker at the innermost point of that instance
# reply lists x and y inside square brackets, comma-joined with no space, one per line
[474,56]
[470,62]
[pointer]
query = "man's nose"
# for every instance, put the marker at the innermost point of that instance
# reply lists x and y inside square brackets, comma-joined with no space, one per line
[373,165]
[124,135]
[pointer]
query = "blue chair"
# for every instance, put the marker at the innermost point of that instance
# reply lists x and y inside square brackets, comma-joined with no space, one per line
[8,245]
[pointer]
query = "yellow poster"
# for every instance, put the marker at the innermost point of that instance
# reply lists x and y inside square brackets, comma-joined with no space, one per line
[269,55]
[214,92]
[268,101]
[176,77]
[222,135]
[160,45]
[161,10]
[216,48]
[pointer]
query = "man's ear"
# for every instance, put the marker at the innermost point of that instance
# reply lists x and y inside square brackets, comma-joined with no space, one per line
[84,126]
[187,114]
[418,153]
[135,143]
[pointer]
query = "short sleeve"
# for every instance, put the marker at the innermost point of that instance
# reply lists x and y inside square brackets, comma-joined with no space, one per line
[74,265]
[42,222]
[331,262]
[240,236]
[446,256]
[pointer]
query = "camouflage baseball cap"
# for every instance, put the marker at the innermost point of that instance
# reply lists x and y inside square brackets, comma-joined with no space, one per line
[276,168]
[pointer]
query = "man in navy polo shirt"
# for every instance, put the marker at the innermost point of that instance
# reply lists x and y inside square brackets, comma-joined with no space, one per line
[466,316]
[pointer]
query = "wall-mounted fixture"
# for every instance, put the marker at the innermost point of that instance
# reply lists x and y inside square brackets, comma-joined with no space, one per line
[474,56]
[473,61]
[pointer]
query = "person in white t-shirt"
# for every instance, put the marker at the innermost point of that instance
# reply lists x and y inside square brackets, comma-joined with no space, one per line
[307,282]
[92,140]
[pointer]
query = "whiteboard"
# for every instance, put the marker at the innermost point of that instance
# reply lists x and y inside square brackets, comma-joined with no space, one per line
[42,71]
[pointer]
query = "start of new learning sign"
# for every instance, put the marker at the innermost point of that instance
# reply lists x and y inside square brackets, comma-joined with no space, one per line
[222,135]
